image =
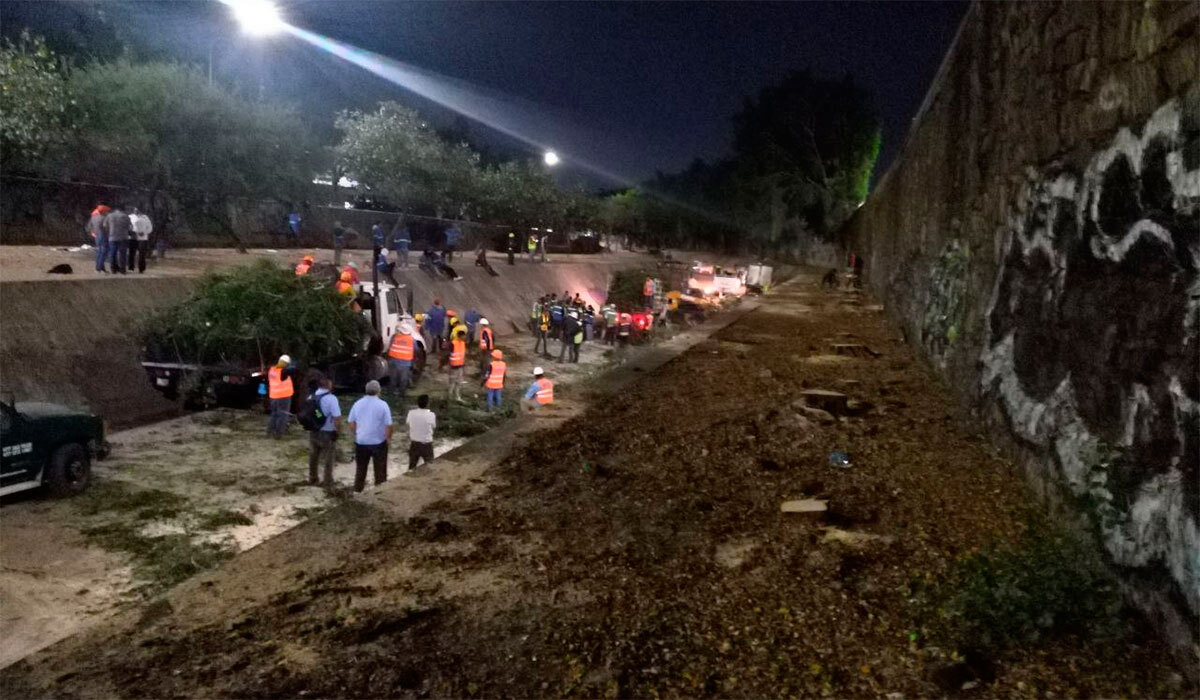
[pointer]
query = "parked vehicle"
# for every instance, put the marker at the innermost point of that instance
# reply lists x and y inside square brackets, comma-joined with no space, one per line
[48,444]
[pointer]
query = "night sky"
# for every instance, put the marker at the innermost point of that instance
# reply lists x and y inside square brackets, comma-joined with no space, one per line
[640,86]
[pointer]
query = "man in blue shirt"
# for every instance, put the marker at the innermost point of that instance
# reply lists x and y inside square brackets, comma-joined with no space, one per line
[400,242]
[294,225]
[371,422]
[452,237]
[377,234]
[322,443]
[435,323]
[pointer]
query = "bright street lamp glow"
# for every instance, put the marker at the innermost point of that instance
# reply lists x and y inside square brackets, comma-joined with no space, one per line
[551,158]
[256,17]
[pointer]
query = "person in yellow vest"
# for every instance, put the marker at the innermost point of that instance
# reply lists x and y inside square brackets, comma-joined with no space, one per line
[458,363]
[540,392]
[531,246]
[493,379]
[487,343]
[279,395]
[305,265]
[400,358]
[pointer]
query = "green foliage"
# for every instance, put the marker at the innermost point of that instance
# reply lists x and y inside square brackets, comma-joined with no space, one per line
[251,315]
[1050,583]
[34,101]
[395,152]
[223,518]
[625,289]
[162,561]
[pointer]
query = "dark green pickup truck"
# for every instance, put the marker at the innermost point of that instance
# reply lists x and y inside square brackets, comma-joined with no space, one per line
[44,443]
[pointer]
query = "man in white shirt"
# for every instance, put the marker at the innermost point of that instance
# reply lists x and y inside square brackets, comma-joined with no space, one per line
[421,422]
[139,244]
[370,420]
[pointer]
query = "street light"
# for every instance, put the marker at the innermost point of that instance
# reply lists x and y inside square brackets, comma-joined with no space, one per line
[257,18]
[551,158]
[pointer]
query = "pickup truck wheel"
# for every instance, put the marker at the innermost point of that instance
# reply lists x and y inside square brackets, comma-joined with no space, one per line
[69,470]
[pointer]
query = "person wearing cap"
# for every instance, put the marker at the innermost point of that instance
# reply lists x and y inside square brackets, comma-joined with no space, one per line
[279,395]
[305,265]
[400,357]
[458,362]
[511,247]
[543,333]
[493,378]
[540,392]
[487,344]
[370,420]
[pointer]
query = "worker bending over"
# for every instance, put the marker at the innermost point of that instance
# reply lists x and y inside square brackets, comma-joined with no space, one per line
[540,392]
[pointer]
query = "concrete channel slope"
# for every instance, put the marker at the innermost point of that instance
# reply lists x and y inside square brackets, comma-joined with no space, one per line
[74,341]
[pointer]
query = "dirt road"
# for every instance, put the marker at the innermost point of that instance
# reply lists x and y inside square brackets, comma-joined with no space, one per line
[636,546]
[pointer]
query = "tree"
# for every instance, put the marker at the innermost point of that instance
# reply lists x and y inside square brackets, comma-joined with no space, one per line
[34,103]
[806,146]
[394,152]
[163,127]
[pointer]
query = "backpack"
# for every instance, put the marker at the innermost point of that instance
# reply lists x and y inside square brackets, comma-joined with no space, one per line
[310,416]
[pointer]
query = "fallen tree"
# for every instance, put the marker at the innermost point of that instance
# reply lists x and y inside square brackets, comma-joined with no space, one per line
[251,315]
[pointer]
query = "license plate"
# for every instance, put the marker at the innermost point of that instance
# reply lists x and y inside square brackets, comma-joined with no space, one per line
[162,381]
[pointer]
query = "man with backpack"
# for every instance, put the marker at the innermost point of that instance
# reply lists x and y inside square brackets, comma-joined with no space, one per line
[322,417]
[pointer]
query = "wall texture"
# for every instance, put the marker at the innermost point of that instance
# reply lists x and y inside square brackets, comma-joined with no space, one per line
[1039,240]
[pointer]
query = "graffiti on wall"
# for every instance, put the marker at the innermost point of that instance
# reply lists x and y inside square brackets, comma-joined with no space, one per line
[1093,345]
[943,310]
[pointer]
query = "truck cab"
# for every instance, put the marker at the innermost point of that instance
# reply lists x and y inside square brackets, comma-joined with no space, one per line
[48,444]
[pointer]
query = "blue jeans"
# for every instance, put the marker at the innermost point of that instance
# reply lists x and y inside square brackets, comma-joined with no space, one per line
[401,375]
[101,252]
[277,425]
[118,254]
[493,398]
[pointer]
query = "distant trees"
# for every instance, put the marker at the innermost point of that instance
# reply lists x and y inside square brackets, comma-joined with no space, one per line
[164,128]
[801,161]
[398,156]
[34,102]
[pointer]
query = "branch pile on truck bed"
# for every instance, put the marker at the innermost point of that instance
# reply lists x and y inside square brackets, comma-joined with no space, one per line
[249,316]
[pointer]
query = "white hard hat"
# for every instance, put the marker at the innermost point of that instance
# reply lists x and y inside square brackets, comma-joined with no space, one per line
[285,359]
[538,370]
[406,327]
[483,322]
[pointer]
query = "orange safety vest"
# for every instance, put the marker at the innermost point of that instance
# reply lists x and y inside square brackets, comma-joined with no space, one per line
[402,347]
[345,288]
[485,338]
[545,392]
[303,268]
[278,387]
[458,353]
[496,378]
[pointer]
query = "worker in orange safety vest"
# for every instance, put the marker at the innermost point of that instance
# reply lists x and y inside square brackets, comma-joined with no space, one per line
[493,378]
[400,358]
[305,265]
[458,362]
[487,344]
[540,392]
[279,395]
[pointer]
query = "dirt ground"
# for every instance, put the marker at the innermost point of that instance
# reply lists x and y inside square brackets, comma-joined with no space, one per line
[635,546]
